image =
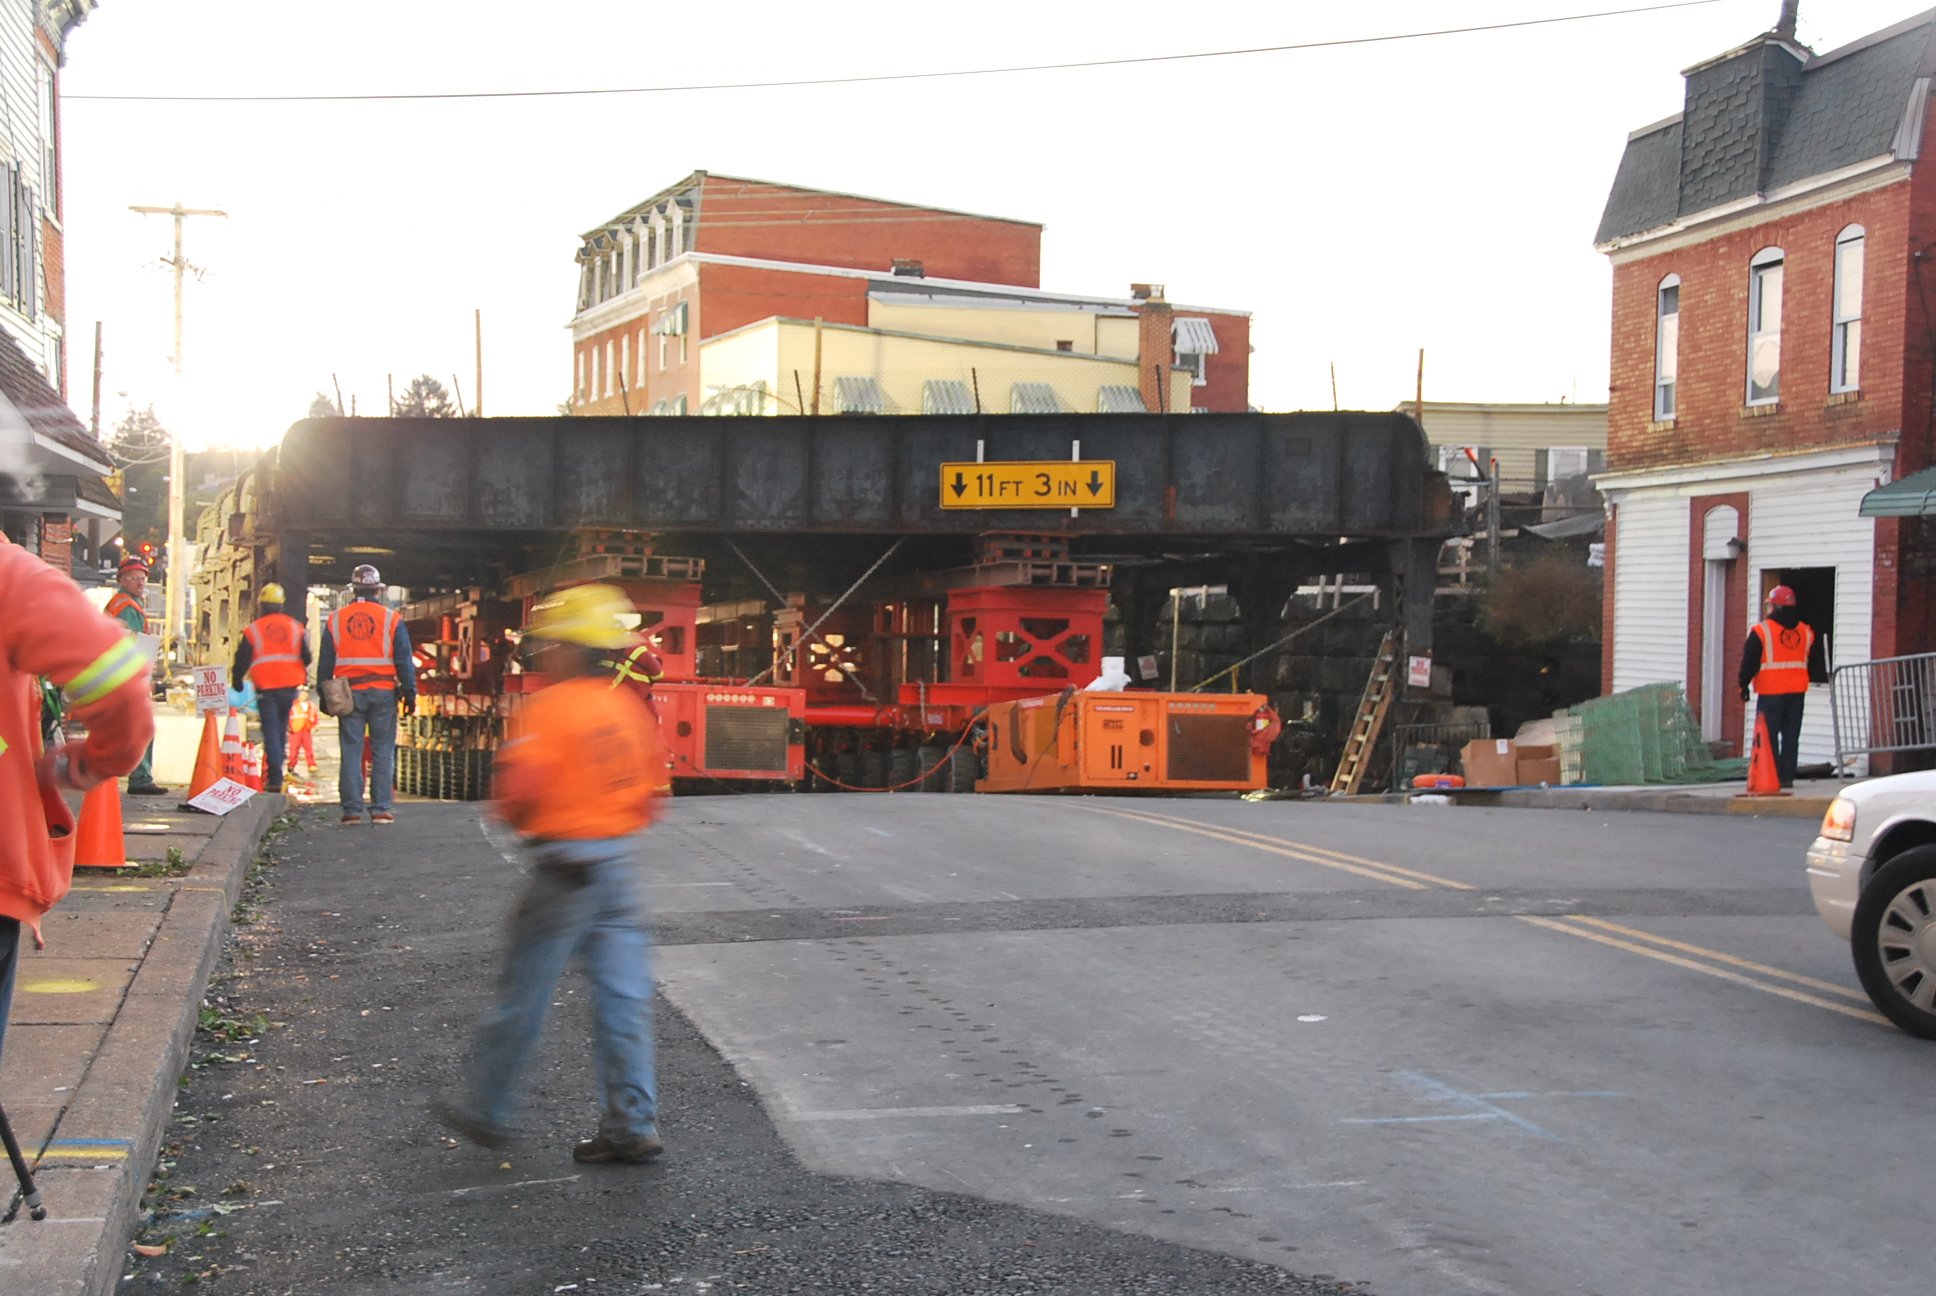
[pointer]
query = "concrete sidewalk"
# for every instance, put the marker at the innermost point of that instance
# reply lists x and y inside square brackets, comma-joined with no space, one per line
[1809,799]
[101,1024]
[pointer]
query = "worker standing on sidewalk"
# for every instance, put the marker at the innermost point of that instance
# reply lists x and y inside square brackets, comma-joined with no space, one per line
[1782,657]
[576,779]
[272,654]
[125,606]
[302,730]
[48,628]
[368,645]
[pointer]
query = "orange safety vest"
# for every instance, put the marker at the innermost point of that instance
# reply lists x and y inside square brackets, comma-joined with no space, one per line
[1784,658]
[121,601]
[365,635]
[275,639]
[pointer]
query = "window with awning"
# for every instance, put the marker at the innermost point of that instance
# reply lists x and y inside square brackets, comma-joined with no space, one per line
[1913,496]
[946,396]
[859,395]
[1117,398]
[1034,398]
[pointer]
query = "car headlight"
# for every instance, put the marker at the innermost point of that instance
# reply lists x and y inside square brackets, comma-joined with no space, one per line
[1839,823]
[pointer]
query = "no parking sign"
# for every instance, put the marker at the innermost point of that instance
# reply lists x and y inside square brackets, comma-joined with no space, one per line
[211,690]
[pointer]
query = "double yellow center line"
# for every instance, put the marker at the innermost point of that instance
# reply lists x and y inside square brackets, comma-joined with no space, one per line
[1694,958]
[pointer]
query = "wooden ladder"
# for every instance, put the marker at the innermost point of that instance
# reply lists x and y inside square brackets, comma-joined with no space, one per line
[1371,718]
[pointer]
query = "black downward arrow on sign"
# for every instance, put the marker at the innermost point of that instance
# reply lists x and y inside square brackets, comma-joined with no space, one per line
[960,485]
[1095,481]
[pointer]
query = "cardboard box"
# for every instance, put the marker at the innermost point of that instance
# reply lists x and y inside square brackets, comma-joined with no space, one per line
[1490,762]
[1532,773]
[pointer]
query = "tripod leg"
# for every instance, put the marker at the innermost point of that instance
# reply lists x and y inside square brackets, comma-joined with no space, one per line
[28,1192]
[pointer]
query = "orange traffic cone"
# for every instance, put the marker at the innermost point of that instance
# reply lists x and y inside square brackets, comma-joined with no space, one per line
[98,840]
[1762,778]
[252,766]
[232,747]
[208,760]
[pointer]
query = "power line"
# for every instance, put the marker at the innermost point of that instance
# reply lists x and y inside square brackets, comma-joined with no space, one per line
[895,76]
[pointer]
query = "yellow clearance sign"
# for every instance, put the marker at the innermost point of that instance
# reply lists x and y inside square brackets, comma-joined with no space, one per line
[1029,483]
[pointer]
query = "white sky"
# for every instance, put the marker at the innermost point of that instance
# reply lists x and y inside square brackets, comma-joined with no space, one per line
[1362,202]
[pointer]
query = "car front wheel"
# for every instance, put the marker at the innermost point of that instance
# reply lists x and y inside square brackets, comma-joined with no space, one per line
[1894,940]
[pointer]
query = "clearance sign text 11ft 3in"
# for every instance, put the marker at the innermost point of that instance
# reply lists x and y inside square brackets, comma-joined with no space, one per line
[1029,483]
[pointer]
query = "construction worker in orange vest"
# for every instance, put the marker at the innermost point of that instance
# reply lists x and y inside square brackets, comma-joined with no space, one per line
[272,654]
[125,605]
[302,730]
[578,779]
[1782,657]
[641,668]
[48,628]
[367,644]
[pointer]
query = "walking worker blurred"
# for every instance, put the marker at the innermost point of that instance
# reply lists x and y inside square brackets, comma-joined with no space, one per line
[577,780]
[48,628]
[1782,657]
[641,668]
[273,655]
[302,730]
[125,606]
[368,645]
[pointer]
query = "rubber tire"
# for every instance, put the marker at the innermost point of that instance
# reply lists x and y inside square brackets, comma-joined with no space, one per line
[847,770]
[903,769]
[964,767]
[873,769]
[1909,869]
[928,761]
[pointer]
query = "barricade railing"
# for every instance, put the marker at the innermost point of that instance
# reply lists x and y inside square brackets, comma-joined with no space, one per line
[1885,705]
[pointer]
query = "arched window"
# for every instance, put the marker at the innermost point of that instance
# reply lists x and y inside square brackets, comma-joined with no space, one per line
[1667,345]
[1764,327]
[1845,346]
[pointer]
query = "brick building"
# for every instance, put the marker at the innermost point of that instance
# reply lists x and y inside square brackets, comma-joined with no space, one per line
[1771,364]
[938,295]
[53,498]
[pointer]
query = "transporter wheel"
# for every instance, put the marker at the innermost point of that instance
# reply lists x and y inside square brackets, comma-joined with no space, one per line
[873,769]
[928,761]
[847,770]
[903,769]
[1893,939]
[964,767]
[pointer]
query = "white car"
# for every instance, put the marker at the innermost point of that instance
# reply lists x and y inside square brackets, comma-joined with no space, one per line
[1873,874]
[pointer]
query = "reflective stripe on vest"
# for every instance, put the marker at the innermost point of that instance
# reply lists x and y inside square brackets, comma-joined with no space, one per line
[276,641]
[625,673]
[1784,658]
[366,644]
[106,673]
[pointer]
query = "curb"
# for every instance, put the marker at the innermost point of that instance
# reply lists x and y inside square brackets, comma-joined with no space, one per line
[127,1097]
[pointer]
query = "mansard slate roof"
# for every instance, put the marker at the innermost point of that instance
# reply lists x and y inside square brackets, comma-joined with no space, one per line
[1756,121]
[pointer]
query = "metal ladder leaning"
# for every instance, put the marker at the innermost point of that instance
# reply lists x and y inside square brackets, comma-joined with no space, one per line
[1371,718]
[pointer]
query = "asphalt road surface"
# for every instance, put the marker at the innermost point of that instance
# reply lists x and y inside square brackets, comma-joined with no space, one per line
[960,1044]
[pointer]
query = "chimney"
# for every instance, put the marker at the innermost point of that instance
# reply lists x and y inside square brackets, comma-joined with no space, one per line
[1155,348]
[909,268]
[1785,25]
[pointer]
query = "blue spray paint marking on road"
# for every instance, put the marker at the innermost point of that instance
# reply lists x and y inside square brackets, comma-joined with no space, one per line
[1486,1105]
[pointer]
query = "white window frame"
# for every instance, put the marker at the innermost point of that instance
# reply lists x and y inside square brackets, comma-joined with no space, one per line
[581,373]
[639,381]
[1667,348]
[1765,281]
[1553,472]
[608,367]
[625,354]
[1845,310]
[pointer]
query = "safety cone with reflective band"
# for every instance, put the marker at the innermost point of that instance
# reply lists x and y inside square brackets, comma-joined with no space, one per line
[232,747]
[208,759]
[252,765]
[1762,778]
[98,838]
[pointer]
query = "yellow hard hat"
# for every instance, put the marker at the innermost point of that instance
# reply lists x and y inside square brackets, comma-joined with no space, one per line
[591,615]
[274,593]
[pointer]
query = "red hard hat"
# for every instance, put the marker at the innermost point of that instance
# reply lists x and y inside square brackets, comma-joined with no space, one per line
[132,561]
[1781,596]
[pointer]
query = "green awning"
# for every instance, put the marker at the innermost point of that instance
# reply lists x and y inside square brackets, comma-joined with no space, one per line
[1913,496]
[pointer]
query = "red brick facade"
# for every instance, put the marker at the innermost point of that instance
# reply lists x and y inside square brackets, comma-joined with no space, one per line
[751,218]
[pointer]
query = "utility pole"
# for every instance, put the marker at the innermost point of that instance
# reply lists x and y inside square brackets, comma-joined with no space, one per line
[177,461]
[477,321]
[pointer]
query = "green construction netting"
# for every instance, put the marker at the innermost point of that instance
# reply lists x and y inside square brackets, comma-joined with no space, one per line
[1644,735]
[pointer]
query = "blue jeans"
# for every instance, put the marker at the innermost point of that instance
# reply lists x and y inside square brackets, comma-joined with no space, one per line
[272,705]
[9,962]
[376,711]
[601,914]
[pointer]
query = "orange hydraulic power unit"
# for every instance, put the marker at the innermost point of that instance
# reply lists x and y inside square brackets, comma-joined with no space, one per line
[1117,742]
[724,731]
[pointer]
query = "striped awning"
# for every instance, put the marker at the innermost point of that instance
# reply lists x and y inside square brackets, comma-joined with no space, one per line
[1913,496]
[1193,335]
[1034,398]
[1114,398]
[859,395]
[946,396]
